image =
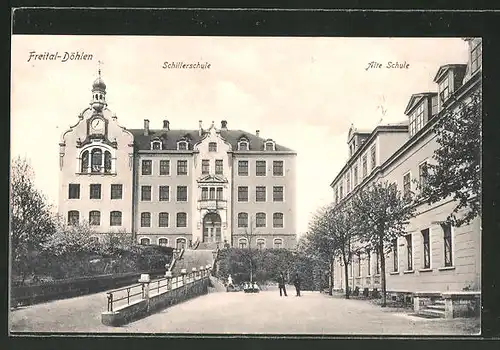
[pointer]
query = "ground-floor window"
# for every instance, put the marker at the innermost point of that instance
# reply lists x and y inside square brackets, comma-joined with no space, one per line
[180,243]
[145,241]
[447,245]
[427,248]
[163,242]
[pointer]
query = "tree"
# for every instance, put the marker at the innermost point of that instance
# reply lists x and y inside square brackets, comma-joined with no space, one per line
[382,214]
[457,169]
[31,219]
[249,253]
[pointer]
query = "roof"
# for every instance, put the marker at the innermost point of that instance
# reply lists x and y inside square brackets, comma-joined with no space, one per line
[171,137]
[443,69]
[415,97]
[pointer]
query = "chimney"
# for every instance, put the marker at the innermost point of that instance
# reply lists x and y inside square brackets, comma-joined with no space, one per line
[200,127]
[146,127]
[223,125]
[257,132]
[166,125]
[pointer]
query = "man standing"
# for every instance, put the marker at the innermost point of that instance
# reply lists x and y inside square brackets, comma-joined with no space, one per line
[281,283]
[296,283]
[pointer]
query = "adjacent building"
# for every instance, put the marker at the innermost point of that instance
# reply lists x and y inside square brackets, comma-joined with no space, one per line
[432,256]
[173,186]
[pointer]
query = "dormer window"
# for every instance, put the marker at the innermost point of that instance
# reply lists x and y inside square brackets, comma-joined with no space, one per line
[243,145]
[156,145]
[476,56]
[269,146]
[182,146]
[212,146]
[444,88]
[417,119]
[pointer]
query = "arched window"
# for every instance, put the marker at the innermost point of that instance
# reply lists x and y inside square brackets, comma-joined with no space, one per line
[156,145]
[269,146]
[115,218]
[163,219]
[107,162]
[261,243]
[278,243]
[163,242]
[145,241]
[85,162]
[96,160]
[243,145]
[278,220]
[180,243]
[260,220]
[95,218]
[242,243]
[73,217]
[242,219]
[182,145]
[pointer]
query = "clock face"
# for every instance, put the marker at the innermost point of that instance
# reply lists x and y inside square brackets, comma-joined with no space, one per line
[97,125]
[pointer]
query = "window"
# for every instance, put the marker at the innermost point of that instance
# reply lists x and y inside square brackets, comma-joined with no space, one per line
[73,217]
[395,255]
[74,191]
[278,243]
[348,182]
[260,220]
[261,243]
[163,242]
[359,265]
[95,191]
[278,193]
[243,167]
[260,168]
[96,160]
[95,218]
[219,194]
[278,220]
[422,174]
[146,167]
[369,262]
[242,219]
[164,193]
[269,146]
[182,167]
[204,193]
[476,56]
[243,146]
[242,194]
[277,168]
[205,166]
[156,145]
[409,252]
[364,165]
[182,146]
[417,119]
[182,193]
[447,244]
[212,193]
[107,162]
[355,175]
[145,193]
[373,156]
[115,218]
[427,249]
[444,88]
[407,185]
[341,191]
[242,242]
[181,220]
[337,195]
[180,243]
[212,146]
[164,167]
[146,219]
[163,219]
[377,265]
[116,191]
[260,194]
[85,162]
[145,241]
[219,169]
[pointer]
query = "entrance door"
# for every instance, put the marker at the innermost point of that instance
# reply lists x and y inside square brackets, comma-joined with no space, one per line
[212,228]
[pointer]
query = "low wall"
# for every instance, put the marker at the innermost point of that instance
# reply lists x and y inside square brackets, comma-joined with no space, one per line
[33,294]
[148,306]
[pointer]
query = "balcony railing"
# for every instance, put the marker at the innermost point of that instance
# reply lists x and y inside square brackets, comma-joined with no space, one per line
[212,204]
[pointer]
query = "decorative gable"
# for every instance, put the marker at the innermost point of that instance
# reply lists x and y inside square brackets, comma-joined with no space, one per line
[209,179]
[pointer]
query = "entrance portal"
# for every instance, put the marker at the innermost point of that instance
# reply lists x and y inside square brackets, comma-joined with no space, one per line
[212,228]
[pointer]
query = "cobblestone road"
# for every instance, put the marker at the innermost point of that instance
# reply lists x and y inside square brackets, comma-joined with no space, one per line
[241,313]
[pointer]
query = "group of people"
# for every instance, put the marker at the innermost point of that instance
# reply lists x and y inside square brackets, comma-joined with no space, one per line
[282,284]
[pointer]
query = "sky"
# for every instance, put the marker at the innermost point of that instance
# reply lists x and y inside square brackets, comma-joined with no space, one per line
[304,93]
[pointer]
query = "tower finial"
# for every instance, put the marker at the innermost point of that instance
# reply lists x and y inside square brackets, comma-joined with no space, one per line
[99,67]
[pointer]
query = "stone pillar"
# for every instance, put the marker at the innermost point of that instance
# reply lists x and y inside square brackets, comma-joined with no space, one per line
[202,271]
[168,276]
[183,273]
[448,308]
[194,274]
[144,280]
[416,303]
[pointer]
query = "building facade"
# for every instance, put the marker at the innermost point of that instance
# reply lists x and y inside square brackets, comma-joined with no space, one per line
[175,187]
[432,256]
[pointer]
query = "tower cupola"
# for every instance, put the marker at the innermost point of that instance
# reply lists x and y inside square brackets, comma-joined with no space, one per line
[98,93]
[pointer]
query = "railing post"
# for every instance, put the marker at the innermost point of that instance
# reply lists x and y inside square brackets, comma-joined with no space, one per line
[144,280]
[194,273]
[202,272]
[168,275]
[183,273]
[110,302]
